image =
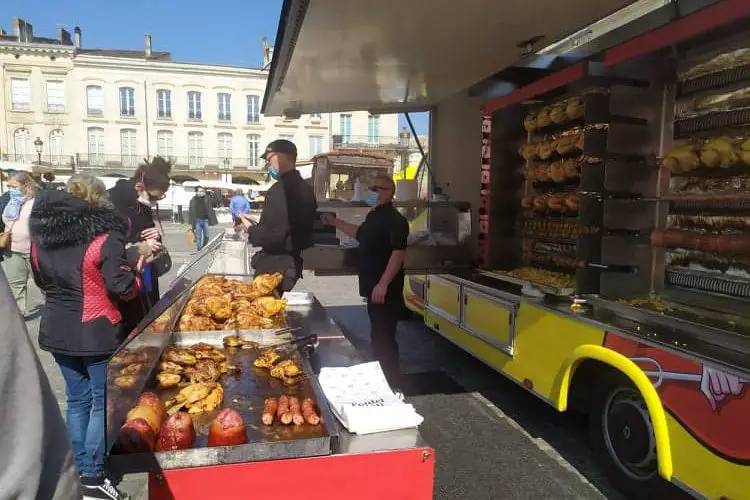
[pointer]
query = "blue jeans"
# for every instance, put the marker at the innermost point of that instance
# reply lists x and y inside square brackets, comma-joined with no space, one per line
[85,380]
[201,233]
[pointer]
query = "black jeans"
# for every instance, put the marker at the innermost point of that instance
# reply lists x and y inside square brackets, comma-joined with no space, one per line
[383,322]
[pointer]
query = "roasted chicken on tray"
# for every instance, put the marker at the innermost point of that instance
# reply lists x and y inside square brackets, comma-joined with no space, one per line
[218,303]
[199,363]
[197,398]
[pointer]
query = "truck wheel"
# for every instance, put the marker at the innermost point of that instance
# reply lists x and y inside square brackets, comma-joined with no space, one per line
[622,438]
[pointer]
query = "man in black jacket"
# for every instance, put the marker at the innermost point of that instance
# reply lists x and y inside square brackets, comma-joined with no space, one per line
[286,223]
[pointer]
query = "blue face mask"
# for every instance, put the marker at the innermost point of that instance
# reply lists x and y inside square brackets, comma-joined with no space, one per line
[14,192]
[275,175]
[371,198]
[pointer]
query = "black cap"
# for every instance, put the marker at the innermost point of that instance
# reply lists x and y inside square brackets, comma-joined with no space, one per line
[280,146]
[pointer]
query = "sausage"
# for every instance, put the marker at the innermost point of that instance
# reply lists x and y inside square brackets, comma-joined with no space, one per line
[283,408]
[308,412]
[296,411]
[269,410]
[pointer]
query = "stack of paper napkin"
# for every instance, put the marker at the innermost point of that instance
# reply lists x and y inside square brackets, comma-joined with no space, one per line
[362,400]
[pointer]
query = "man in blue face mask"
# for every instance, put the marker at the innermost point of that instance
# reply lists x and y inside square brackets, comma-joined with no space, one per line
[287,222]
[382,241]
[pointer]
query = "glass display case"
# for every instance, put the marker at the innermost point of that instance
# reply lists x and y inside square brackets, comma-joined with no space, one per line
[241,353]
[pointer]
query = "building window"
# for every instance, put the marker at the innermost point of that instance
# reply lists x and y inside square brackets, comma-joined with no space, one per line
[373,129]
[253,150]
[195,149]
[315,117]
[194,106]
[56,153]
[253,109]
[128,148]
[94,100]
[225,107]
[127,101]
[23,146]
[286,137]
[96,146]
[316,145]
[165,144]
[224,146]
[20,94]
[55,96]
[345,128]
[164,104]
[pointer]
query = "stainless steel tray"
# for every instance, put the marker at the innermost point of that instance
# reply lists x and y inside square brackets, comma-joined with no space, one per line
[245,393]
[549,290]
[708,334]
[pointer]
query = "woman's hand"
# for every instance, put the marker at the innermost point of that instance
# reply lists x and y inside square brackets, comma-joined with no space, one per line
[151,234]
[153,246]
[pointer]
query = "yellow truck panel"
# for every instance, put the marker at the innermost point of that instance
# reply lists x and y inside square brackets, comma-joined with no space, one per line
[444,297]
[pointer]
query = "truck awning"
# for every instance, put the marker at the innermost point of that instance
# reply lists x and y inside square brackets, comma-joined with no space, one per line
[406,55]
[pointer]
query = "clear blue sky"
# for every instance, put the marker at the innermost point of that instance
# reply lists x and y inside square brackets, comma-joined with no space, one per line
[228,32]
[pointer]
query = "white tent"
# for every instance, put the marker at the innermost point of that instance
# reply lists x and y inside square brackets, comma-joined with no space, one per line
[20,167]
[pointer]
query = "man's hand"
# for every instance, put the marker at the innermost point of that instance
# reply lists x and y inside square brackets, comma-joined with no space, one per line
[150,234]
[247,222]
[328,219]
[378,293]
[717,385]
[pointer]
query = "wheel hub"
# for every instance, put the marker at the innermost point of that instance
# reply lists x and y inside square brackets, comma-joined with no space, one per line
[629,435]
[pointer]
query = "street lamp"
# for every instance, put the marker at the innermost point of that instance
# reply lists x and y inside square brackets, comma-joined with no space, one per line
[404,138]
[226,169]
[39,145]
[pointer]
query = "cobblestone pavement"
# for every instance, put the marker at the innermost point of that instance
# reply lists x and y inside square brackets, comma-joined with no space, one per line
[493,440]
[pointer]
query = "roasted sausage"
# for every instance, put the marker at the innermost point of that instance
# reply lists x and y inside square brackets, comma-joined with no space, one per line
[269,410]
[308,412]
[295,410]
[283,408]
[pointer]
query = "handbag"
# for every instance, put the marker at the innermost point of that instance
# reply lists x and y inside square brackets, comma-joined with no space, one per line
[6,237]
[162,262]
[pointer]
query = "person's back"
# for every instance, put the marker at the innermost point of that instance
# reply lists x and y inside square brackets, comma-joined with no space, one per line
[35,456]
[301,210]
[239,205]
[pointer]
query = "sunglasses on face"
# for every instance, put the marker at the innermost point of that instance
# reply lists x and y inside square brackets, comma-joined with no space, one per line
[378,188]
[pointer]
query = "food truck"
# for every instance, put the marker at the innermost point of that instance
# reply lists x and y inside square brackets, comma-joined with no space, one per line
[607,178]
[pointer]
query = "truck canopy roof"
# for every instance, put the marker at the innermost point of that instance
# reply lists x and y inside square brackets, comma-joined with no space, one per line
[397,56]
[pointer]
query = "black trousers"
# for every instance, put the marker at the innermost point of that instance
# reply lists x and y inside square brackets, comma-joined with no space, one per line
[383,322]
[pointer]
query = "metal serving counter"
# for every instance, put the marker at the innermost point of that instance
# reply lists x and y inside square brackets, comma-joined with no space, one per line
[176,474]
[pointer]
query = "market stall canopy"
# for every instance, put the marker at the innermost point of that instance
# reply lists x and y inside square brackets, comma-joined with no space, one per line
[396,55]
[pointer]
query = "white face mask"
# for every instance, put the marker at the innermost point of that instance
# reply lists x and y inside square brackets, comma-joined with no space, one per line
[145,199]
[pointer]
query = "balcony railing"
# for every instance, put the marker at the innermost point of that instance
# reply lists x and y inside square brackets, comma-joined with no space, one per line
[365,141]
[179,163]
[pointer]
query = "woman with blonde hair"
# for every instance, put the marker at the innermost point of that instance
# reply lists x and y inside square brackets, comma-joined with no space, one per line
[15,243]
[78,255]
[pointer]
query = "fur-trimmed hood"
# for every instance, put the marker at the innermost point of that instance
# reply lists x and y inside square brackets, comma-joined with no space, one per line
[60,220]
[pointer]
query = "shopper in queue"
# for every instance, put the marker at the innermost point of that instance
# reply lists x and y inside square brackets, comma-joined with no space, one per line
[286,224]
[35,457]
[201,215]
[78,258]
[238,205]
[382,241]
[16,244]
[136,199]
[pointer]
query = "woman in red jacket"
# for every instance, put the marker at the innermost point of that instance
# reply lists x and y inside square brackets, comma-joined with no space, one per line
[78,260]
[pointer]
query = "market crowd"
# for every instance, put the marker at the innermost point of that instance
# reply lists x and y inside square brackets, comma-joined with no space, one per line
[97,255]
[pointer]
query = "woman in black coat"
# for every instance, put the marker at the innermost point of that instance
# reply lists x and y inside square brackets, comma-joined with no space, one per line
[78,261]
[136,200]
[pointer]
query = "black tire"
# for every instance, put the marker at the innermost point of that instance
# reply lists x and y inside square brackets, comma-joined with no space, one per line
[623,442]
